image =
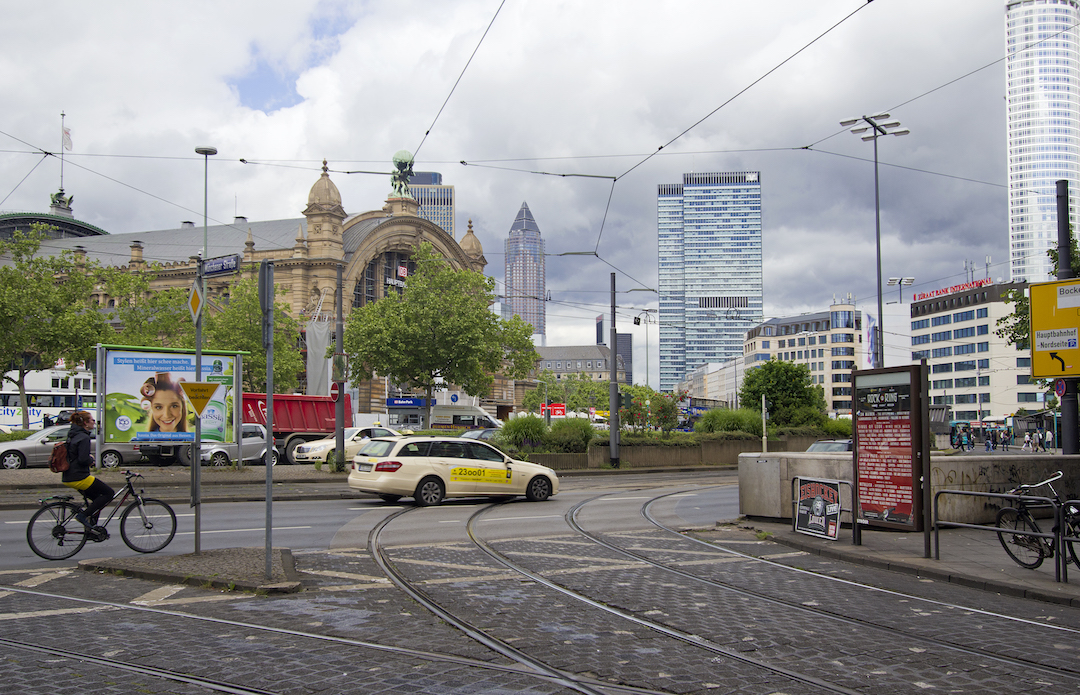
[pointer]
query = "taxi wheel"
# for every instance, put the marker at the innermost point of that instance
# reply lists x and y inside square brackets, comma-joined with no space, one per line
[539,489]
[429,492]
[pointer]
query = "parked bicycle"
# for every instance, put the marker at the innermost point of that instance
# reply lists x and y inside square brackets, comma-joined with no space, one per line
[146,525]
[1030,550]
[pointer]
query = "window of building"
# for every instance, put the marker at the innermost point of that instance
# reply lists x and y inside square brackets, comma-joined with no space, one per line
[579,364]
[920,339]
[558,365]
[1023,379]
[842,338]
[984,381]
[941,384]
[963,333]
[984,397]
[984,364]
[966,398]
[813,339]
[941,320]
[919,355]
[965,366]
[1026,397]
[549,365]
[843,364]
[59,383]
[983,329]
[802,342]
[967,415]
[943,335]
[982,313]
[765,344]
[1023,362]
[941,368]
[966,381]
[843,352]
[920,324]
[941,352]
[967,349]
[964,316]
[984,347]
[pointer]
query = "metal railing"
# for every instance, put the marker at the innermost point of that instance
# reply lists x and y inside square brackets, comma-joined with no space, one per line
[1061,571]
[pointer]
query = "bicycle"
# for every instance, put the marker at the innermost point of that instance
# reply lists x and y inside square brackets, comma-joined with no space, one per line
[146,525]
[1027,550]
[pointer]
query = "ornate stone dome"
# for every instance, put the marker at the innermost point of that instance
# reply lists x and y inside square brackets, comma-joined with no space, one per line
[470,244]
[324,195]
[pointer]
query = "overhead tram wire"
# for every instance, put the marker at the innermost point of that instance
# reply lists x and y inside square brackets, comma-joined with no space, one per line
[36,165]
[456,82]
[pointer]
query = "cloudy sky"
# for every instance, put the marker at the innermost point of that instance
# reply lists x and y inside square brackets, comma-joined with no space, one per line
[587,87]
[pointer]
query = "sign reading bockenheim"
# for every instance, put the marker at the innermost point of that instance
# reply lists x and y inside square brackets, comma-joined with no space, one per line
[1055,318]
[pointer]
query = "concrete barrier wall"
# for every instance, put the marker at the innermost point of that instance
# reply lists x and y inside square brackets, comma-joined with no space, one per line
[765,480]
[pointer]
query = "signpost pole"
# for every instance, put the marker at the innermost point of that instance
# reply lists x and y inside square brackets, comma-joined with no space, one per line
[339,404]
[266,304]
[1069,440]
[196,447]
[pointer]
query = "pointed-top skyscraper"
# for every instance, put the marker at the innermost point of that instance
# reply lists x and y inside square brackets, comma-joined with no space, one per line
[525,272]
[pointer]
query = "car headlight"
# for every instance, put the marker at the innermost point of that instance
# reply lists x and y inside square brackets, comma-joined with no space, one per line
[314,448]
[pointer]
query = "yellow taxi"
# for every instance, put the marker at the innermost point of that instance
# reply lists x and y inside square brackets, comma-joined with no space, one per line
[430,469]
[320,449]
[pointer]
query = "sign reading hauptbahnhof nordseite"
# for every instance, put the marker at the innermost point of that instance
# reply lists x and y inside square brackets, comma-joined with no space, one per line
[1055,329]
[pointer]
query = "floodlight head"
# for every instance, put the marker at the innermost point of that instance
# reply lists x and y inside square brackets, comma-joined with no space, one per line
[868,138]
[894,281]
[894,124]
[849,122]
[905,131]
[206,151]
[860,130]
[908,281]
[880,117]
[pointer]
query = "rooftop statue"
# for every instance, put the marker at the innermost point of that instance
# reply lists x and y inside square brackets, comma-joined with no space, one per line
[403,165]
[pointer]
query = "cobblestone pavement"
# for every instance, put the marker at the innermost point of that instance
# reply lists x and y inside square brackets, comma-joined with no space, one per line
[345,631]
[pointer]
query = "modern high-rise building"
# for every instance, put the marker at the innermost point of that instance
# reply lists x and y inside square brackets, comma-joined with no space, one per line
[526,285]
[436,200]
[1043,104]
[709,230]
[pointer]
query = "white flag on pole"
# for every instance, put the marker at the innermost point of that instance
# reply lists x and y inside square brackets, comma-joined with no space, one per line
[67,138]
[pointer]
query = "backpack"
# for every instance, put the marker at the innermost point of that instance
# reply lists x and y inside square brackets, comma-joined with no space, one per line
[58,462]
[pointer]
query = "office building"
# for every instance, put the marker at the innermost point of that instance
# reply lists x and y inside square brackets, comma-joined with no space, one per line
[525,272]
[591,360]
[710,277]
[624,348]
[972,370]
[1043,109]
[436,200]
[830,343]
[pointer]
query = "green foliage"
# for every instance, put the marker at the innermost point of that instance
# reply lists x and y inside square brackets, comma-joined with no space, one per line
[839,428]
[15,435]
[46,310]
[650,409]
[152,319]
[238,326]
[726,420]
[787,389]
[439,329]
[526,431]
[578,391]
[571,435]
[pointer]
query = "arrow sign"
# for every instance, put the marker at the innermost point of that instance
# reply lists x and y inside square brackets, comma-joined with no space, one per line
[1054,356]
[199,394]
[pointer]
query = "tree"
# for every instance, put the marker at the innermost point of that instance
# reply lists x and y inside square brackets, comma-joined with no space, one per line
[238,326]
[438,330]
[787,389]
[1015,327]
[46,310]
[159,319]
[650,409]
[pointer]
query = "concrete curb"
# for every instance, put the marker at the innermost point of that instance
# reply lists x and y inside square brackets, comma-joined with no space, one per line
[231,569]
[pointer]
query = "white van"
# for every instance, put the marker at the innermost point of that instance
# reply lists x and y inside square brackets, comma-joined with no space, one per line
[457,417]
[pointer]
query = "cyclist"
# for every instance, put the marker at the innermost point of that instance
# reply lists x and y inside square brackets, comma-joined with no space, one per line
[78,477]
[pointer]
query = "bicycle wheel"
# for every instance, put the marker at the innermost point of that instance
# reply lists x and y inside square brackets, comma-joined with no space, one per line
[1072,538]
[48,533]
[147,528]
[1027,550]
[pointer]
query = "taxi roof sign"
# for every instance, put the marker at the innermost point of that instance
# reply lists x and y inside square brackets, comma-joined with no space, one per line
[1055,323]
[199,394]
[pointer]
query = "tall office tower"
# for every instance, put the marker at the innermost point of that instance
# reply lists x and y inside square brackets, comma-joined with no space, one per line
[709,230]
[625,349]
[1043,105]
[525,274]
[436,200]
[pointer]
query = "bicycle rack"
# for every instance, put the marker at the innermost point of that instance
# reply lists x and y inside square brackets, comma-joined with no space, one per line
[1061,562]
[856,529]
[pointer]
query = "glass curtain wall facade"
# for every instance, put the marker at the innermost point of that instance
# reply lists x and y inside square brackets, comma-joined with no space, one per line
[436,200]
[1043,104]
[710,276]
[525,276]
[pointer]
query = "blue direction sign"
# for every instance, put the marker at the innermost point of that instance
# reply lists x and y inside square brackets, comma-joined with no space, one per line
[222,265]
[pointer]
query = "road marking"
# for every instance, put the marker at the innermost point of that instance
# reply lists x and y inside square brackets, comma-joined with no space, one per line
[451,521]
[58,611]
[619,499]
[42,578]
[243,530]
[347,575]
[157,595]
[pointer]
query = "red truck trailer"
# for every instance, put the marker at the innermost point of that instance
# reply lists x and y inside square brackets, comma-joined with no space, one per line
[297,418]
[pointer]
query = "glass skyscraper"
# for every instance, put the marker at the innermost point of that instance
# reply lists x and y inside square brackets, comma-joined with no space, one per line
[436,200]
[1043,103]
[526,284]
[709,230]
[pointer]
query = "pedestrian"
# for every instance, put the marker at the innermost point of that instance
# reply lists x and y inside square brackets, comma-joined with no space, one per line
[78,477]
[1027,442]
[988,438]
[1007,435]
[1049,440]
[1035,439]
[47,421]
[994,439]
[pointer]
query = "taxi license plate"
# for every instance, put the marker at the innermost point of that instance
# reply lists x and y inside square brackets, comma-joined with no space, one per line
[363,467]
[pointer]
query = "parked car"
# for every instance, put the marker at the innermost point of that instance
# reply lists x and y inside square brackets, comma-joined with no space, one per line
[830,445]
[483,434]
[430,469]
[252,448]
[355,437]
[36,449]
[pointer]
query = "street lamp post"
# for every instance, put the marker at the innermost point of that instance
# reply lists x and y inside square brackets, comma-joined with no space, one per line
[901,282]
[878,129]
[196,449]
[637,322]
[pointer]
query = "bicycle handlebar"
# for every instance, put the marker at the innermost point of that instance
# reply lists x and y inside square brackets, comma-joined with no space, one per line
[1032,486]
[132,474]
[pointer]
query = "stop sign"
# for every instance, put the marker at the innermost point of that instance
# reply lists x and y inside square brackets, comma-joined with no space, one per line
[335,391]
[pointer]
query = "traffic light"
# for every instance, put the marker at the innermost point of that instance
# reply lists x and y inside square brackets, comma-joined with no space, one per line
[625,400]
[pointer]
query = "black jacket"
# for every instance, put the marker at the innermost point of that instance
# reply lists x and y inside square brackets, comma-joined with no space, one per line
[79,459]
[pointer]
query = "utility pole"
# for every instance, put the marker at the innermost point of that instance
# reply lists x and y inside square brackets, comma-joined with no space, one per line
[613,388]
[1070,437]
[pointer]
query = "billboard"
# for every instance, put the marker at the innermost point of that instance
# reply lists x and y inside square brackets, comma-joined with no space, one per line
[818,511]
[144,401]
[890,408]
